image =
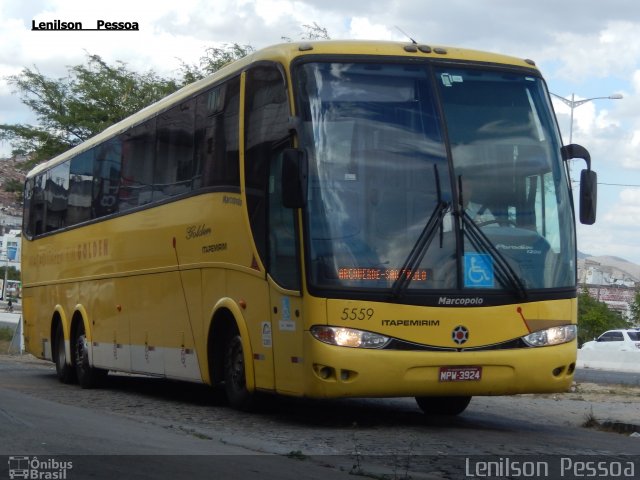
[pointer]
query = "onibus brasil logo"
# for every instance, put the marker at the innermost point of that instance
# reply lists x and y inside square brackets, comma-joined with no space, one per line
[38,469]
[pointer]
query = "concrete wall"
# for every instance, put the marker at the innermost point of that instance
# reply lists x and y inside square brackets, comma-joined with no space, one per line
[618,361]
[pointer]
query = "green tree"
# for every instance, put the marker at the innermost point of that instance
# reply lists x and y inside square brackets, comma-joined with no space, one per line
[595,317]
[311,32]
[69,110]
[14,186]
[216,58]
[96,94]
[12,273]
[213,60]
[635,310]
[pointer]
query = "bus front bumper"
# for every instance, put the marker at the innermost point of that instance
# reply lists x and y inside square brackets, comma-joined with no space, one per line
[356,372]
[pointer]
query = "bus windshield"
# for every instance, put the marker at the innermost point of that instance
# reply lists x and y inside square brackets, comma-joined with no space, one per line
[433,177]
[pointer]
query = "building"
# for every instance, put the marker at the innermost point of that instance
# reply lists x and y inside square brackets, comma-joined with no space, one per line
[611,284]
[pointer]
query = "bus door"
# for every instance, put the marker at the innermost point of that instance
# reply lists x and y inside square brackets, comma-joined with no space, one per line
[284,286]
[267,134]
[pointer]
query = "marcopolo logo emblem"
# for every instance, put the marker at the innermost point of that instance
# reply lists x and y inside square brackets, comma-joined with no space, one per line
[460,334]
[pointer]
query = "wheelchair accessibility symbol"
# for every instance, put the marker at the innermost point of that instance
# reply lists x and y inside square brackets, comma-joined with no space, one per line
[478,270]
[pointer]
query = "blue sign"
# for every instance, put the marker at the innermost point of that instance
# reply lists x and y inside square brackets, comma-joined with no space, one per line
[478,270]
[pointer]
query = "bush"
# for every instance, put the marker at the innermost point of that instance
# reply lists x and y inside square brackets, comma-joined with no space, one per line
[6,333]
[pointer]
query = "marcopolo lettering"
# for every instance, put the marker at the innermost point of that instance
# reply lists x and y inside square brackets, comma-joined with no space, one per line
[460,301]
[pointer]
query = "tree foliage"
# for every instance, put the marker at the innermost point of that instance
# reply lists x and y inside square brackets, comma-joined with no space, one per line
[213,60]
[594,318]
[311,32]
[95,94]
[635,310]
[216,58]
[69,110]
[12,273]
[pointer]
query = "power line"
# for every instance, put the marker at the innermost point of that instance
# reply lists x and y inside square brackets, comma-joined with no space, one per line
[618,185]
[610,184]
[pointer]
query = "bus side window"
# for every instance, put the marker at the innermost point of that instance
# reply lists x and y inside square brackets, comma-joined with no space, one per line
[56,197]
[80,184]
[216,138]
[283,263]
[30,207]
[138,155]
[267,133]
[106,177]
[173,168]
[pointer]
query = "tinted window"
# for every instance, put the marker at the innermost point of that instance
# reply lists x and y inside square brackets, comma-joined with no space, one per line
[80,187]
[266,118]
[106,178]
[217,158]
[173,170]
[56,196]
[29,217]
[138,153]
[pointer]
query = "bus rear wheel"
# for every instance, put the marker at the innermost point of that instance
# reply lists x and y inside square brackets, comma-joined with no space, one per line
[235,383]
[64,370]
[88,376]
[443,405]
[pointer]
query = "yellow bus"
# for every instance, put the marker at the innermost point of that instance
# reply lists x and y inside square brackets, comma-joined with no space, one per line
[322,219]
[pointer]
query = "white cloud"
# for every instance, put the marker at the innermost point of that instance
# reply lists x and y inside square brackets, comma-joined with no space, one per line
[362,28]
[613,49]
[627,211]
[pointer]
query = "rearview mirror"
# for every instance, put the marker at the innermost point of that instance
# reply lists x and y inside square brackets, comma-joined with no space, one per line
[588,196]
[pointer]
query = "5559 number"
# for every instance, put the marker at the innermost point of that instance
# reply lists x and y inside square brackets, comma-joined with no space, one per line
[357,313]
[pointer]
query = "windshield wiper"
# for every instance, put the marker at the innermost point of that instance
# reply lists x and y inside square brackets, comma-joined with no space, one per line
[504,272]
[417,253]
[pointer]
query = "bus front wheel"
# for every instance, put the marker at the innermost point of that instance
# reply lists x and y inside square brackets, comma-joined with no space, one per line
[235,383]
[443,405]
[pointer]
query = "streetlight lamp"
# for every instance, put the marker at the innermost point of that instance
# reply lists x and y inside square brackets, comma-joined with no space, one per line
[573,103]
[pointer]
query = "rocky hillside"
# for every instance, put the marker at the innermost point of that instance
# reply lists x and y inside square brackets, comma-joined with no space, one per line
[620,267]
[11,178]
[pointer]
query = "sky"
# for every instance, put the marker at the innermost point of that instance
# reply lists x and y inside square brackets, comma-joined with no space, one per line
[587,49]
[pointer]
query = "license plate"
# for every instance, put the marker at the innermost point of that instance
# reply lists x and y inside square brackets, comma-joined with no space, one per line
[460,374]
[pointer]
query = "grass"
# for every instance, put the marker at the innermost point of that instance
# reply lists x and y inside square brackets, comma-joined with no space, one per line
[6,334]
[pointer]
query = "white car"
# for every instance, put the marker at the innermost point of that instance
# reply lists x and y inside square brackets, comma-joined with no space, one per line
[616,340]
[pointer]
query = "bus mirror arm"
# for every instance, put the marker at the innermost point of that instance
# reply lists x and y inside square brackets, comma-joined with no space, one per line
[576,151]
[588,183]
[294,178]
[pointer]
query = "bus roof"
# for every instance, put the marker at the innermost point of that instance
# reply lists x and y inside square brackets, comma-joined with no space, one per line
[285,53]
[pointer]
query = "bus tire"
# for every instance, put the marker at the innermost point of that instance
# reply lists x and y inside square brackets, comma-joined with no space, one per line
[235,383]
[64,370]
[443,405]
[88,376]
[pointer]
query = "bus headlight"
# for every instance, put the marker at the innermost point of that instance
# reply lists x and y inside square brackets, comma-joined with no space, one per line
[551,336]
[348,337]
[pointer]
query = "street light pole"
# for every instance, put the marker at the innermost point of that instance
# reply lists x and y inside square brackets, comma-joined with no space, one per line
[573,103]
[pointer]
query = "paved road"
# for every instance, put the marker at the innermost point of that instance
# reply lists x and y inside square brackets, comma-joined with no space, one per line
[136,417]
[129,448]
